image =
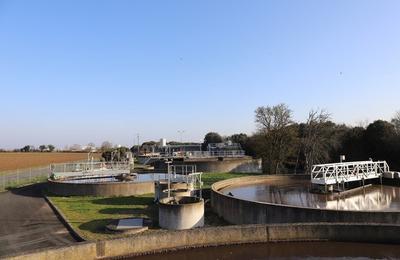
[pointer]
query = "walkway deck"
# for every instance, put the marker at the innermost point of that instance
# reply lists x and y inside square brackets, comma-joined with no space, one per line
[333,173]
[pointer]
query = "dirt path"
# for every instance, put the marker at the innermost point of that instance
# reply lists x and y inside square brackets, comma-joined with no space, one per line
[28,223]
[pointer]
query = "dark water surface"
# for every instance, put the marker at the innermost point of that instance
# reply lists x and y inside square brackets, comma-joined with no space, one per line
[371,198]
[292,250]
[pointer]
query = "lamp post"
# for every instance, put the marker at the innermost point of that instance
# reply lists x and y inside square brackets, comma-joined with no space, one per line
[138,145]
[168,163]
[181,134]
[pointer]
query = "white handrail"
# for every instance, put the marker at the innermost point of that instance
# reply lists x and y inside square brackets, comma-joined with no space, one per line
[347,171]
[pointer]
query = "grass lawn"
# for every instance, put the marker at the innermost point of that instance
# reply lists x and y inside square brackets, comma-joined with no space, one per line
[90,215]
[211,177]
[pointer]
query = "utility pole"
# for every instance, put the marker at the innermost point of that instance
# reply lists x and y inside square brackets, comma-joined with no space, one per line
[181,134]
[138,144]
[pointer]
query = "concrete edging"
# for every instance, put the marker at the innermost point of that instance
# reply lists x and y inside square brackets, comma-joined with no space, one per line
[85,249]
[78,237]
[154,242]
[246,234]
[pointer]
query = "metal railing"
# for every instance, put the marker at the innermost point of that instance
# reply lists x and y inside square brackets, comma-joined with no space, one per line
[87,167]
[182,169]
[327,174]
[187,173]
[93,169]
[18,177]
[205,154]
[145,159]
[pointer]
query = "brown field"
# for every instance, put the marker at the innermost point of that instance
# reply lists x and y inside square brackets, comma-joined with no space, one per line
[12,161]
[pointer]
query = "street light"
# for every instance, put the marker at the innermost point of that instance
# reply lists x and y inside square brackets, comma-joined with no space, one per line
[138,143]
[181,133]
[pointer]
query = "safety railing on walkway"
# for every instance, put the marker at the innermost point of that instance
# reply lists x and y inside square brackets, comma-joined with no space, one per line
[206,154]
[86,167]
[328,174]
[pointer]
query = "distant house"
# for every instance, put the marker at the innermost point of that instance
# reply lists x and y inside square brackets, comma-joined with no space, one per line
[89,148]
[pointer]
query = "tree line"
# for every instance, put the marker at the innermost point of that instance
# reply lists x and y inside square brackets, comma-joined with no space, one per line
[41,148]
[286,146]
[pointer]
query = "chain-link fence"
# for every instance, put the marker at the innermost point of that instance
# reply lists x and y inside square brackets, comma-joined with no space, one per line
[15,178]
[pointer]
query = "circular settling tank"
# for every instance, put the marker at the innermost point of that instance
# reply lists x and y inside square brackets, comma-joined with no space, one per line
[283,250]
[103,185]
[287,199]
[179,213]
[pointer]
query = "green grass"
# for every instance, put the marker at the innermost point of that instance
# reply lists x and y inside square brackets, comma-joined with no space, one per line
[211,177]
[90,215]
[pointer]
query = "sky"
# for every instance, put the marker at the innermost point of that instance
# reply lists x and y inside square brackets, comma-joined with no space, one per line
[89,71]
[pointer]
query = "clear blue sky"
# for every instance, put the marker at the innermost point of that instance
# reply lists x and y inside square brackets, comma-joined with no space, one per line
[89,71]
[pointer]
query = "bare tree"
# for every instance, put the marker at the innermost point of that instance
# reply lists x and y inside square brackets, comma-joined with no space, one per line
[314,141]
[273,118]
[75,147]
[106,145]
[396,121]
[362,123]
[273,123]
[90,147]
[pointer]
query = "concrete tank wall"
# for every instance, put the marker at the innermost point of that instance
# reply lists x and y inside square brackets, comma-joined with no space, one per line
[239,211]
[100,189]
[242,164]
[188,213]
[152,242]
[85,250]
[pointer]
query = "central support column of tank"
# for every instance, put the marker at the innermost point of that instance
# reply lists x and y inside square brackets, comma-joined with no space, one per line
[179,213]
[178,209]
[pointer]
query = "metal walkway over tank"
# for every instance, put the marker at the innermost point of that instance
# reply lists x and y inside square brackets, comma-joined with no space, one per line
[333,173]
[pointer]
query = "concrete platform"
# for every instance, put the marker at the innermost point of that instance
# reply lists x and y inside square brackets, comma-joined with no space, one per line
[129,225]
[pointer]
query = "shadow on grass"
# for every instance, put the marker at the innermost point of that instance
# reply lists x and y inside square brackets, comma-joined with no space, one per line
[96,226]
[121,211]
[148,200]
